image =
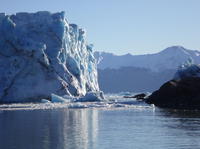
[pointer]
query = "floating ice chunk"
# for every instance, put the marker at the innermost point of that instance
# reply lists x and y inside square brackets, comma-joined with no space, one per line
[92,97]
[56,98]
[68,97]
[77,106]
[45,101]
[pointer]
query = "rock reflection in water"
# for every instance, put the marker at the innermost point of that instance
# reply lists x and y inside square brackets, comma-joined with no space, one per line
[181,126]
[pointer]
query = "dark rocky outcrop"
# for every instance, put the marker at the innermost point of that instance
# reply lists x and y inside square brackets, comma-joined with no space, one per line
[178,94]
[140,96]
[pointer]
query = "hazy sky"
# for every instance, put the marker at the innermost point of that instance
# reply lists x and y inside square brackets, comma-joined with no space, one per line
[126,26]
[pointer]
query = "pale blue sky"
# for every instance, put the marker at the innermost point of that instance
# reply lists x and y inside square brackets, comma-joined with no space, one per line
[126,26]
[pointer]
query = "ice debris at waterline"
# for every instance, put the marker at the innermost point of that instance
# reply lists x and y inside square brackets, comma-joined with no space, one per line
[89,97]
[110,101]
[40,54]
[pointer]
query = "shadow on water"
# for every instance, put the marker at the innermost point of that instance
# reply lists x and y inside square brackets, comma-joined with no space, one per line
[57,129]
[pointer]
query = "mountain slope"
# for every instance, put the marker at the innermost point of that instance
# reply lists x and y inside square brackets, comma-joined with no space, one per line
[169,58]
[141,73]
[132,79]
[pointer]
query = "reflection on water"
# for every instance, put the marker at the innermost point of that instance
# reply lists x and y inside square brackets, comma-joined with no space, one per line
[51,129]
[182,127]
[189,121]
[99,129]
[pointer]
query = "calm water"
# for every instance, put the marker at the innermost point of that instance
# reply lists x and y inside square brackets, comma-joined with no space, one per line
[116,123]
[93,128]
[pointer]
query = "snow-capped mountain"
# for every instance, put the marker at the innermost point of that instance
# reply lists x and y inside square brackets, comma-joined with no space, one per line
[169,58]
[139,73]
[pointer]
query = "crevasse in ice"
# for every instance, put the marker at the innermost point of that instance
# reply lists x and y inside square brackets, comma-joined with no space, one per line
[42,54]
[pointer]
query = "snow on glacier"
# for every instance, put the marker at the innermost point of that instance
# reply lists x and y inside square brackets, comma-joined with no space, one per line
[42,54]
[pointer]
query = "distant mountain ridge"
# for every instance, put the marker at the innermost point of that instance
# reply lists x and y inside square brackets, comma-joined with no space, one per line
[169,58]
[141,73]
[132,79]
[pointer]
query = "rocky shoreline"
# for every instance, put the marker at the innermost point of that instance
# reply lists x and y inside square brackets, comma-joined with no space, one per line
[177,94]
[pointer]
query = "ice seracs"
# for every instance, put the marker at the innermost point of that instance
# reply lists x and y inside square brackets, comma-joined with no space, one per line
[40,54]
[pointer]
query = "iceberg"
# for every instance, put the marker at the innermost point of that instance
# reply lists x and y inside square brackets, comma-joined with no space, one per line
[59,99]
[45,101]
[88,97]
[42,54]
[92,97]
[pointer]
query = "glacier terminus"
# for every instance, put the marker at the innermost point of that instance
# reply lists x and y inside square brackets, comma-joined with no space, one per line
[42,54]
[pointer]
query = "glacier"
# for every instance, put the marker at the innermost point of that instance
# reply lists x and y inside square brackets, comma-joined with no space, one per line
[43,54]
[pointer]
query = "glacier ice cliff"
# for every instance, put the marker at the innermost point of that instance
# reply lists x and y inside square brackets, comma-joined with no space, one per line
[40,54]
